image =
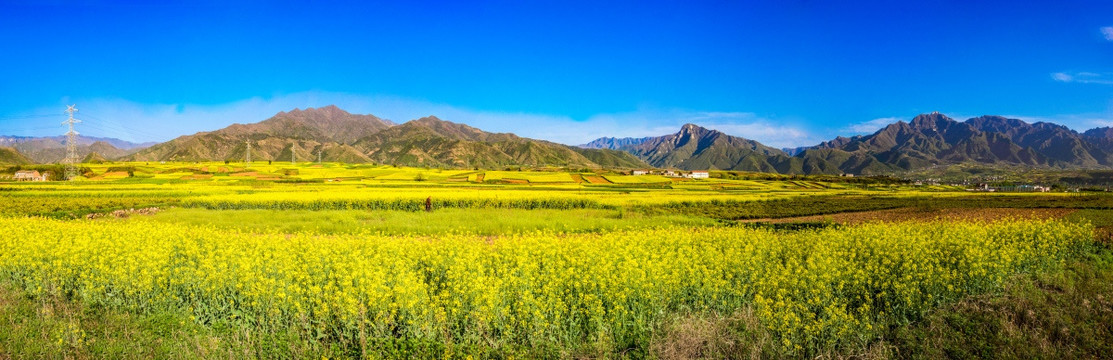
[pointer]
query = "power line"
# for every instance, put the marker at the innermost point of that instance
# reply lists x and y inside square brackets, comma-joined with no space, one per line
[20,117]
[113,126]
[13,130]
[111,130]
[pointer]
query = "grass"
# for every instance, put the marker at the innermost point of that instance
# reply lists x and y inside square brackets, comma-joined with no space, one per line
[53,326]
[1066,314]
[441,221]
[56,326]
[638,179]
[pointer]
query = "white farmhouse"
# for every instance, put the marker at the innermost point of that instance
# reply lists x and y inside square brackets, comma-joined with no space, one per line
[29,175]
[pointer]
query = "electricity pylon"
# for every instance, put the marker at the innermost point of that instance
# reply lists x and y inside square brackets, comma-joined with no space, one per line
[247,156]
[71,144]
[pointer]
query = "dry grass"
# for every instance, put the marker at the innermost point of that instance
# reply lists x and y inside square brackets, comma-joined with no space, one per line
[740,336]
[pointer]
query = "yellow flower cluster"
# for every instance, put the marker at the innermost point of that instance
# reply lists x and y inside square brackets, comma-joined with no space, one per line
[811,288]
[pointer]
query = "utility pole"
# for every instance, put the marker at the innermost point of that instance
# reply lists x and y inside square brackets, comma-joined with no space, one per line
[71,144]
[293,160]
[319,151]
[247,156]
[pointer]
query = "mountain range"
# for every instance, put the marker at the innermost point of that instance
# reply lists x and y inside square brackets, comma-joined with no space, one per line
[52,149]
[928,140]
[337,135]
[332,134]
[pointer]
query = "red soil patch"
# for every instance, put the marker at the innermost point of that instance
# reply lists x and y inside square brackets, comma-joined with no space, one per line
[595,179]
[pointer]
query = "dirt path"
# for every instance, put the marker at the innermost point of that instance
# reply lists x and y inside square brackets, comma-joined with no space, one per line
[912,214]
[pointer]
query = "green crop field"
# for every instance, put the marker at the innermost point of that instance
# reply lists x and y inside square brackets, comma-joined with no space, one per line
[188,260]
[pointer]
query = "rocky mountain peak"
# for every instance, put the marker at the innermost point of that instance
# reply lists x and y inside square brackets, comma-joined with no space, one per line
[1099,133]
[689,130]
[933,121]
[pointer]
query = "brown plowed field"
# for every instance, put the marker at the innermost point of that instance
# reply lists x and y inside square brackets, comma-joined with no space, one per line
[594,179]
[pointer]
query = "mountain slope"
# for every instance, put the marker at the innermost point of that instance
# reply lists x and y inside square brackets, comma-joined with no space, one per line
[94,158]
[339,136]
[1059,144]
[301,132]
[614,143]
[59,141]
[698,148]
[11,156]
[325,124]
[45,150]
[928,140]
[935,139]
[430,141]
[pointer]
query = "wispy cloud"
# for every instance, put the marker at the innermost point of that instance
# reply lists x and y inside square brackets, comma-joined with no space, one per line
[1107,32]
[868,127]
[133,121]
[1083,77]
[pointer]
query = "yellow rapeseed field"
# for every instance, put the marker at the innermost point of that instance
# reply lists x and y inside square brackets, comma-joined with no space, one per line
[542,290]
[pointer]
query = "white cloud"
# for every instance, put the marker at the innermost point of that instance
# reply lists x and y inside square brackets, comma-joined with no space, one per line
[869,127]
[1083,77]
[133,121]
[1107,32]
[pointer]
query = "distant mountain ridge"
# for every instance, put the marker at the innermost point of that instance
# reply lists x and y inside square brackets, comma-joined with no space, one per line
[52,149]
[695,147]
[9,140]
[935,139]
[297,134]
[927,140]
[614,143]
[340,136]
[335,135]
[324,124]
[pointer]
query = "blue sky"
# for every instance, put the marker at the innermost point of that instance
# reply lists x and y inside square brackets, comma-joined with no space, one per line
[787,73]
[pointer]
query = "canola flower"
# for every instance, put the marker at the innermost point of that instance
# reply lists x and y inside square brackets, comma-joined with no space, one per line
[817,288]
